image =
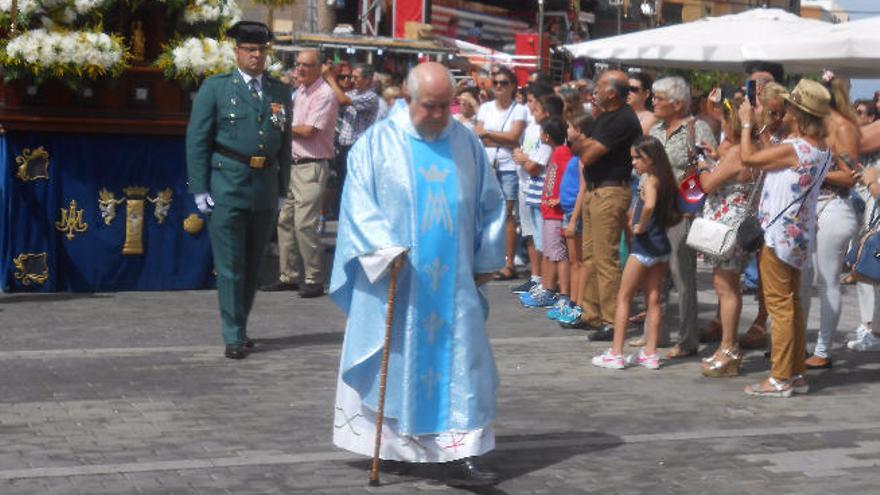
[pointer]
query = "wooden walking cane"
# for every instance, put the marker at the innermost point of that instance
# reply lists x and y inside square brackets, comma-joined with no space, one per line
[383,370]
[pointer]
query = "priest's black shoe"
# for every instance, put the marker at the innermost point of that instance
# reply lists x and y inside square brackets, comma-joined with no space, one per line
[604,333]
[311,290]
[235,351]
[279,286]
[468,472]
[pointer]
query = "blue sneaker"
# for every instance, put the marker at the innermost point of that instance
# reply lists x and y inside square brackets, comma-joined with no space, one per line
[557,309]
[570,315]
[524,287]
[540,298]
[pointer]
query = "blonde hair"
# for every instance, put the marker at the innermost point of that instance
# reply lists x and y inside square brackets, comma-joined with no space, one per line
[731,119]
[839,89]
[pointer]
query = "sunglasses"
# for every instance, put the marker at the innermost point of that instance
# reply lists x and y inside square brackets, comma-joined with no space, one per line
[343,76]
[634,89]
[501,82]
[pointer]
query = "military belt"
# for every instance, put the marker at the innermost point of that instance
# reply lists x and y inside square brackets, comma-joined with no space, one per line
[255,162]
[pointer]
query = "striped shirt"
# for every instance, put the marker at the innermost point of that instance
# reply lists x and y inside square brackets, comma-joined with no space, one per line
[316,106]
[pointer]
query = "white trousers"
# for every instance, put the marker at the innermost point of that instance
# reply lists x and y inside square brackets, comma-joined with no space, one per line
[835,227]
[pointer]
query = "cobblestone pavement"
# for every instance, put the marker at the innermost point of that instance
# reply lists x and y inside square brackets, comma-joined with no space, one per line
[129,393]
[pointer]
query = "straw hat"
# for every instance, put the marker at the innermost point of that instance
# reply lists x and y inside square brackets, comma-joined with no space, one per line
[811,97]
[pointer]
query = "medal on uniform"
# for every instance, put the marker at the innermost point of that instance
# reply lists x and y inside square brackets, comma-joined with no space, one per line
[279,115]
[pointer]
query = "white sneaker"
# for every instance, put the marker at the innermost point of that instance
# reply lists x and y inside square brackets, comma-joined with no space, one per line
[650,361]
[609,360]
[868,342]
[860,332]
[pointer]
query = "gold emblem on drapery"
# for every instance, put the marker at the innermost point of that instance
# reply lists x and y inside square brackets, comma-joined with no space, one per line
[33,165]
[134,220]
[107,203]
[193,224]
[71,221]
[31,268]
[161,204]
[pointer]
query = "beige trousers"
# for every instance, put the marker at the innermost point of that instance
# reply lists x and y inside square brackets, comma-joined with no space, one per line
[300,253]
[603,214]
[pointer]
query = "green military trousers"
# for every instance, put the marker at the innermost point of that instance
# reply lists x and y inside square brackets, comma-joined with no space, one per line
[238,240]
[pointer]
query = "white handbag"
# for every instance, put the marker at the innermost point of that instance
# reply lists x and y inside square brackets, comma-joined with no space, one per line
[713,238]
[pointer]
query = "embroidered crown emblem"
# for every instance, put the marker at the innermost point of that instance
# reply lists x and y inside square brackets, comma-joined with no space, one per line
[434,174]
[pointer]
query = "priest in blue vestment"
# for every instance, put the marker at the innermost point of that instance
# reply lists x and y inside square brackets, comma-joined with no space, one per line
[419,190]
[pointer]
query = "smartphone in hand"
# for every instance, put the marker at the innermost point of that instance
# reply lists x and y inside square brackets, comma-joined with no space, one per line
[752,92]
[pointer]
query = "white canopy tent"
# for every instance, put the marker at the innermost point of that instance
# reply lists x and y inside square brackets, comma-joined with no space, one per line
[711,43]
[849,48]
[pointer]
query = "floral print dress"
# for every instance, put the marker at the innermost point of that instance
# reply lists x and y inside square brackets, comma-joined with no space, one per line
[729,205]
[792,236]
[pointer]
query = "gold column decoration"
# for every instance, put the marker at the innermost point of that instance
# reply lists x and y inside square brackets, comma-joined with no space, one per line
[33,165]
[134,220]
[107,204]
[161,203]
[31,268]
[71,221]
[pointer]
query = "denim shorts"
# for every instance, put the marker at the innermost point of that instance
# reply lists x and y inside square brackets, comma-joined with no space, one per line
[566,219]
[509,184]
[648,261]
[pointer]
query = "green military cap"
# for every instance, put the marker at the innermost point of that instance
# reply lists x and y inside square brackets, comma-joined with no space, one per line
[249,32]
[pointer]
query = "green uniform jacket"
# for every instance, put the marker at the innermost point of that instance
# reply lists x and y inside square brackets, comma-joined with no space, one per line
[225,112]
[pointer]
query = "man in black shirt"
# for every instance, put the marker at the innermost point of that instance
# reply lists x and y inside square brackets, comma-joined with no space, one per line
[607,169]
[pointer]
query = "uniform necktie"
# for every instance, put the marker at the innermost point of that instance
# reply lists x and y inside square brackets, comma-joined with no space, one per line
[255,88]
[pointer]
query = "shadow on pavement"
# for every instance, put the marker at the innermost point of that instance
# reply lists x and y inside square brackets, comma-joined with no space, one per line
[278,343]
[515,456]
[49,297]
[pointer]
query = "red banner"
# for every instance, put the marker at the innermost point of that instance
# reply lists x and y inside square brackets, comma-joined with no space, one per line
[407,11]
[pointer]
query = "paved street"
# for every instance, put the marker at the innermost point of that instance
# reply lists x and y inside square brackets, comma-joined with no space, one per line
[129,393]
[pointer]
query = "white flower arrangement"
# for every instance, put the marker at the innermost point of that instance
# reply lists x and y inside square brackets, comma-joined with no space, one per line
[195,58]
[64,54]
[25,7]
[197,11]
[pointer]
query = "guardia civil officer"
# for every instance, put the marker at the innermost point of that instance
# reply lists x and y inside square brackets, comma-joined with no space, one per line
[238,161]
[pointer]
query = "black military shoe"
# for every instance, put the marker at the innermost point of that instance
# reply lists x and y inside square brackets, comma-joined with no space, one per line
[604,333]
[311,290]
[279,286]
[467,472]
[235,351]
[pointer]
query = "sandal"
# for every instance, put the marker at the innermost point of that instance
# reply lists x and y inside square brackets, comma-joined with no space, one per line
[678,353]
[755,337]
[779,388]
[637,342]
[506,273]
[724,363]
[799,384]
[638,318]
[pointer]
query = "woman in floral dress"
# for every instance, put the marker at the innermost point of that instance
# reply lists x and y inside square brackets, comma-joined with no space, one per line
[787,212]
[728,187]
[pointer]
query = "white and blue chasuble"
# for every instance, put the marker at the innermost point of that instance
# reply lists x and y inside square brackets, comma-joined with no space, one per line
[440,201]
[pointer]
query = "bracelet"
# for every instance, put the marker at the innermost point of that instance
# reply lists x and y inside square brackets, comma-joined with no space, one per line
[747,126]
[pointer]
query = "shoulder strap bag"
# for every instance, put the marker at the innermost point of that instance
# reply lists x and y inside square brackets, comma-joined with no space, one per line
[750,235]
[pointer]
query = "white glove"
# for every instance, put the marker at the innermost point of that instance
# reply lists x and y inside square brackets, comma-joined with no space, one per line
[281,202]
[204,202]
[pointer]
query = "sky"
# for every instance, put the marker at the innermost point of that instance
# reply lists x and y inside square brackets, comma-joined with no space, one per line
[862,88]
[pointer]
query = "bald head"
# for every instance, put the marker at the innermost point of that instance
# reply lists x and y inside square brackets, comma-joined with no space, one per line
[612,89]
[431,89]
[430,77]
